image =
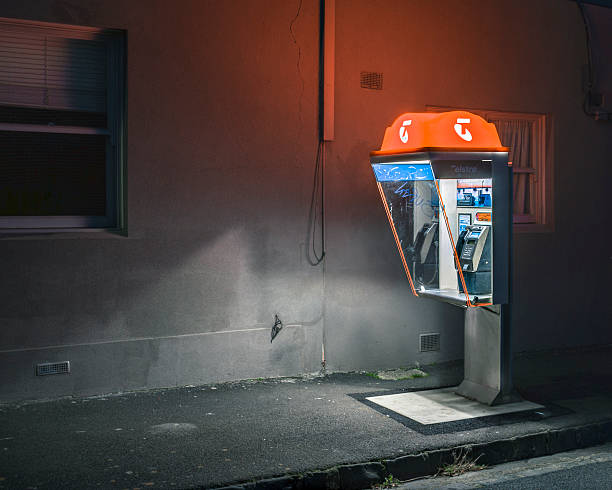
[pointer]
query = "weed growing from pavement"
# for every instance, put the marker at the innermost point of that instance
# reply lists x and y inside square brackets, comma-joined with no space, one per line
[398,374]
[462,463]
[389,482]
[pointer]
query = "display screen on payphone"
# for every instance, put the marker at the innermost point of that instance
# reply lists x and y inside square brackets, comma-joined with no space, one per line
[464,220]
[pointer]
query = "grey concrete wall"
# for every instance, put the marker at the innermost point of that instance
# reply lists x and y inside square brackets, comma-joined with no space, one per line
[221,150]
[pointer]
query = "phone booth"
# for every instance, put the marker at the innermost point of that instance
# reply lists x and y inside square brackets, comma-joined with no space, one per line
[446,187]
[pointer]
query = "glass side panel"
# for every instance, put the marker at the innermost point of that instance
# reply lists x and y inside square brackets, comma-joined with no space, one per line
[415,213]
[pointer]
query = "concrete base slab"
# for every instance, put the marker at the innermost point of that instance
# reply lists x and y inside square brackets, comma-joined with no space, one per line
[486,394]
[444,405]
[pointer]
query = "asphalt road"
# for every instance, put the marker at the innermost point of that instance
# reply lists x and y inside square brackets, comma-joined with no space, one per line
[588,469]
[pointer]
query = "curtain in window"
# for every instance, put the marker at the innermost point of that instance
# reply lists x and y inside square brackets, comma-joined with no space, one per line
[516,134]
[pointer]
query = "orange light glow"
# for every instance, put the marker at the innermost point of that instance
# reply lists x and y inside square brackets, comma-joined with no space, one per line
[455,130]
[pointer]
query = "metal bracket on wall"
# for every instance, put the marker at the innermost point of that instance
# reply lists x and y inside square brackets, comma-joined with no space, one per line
[276,328]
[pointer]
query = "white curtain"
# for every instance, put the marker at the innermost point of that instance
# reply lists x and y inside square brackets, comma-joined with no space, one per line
[516,134]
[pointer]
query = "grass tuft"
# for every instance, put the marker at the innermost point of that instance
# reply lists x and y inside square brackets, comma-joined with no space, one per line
[462,463]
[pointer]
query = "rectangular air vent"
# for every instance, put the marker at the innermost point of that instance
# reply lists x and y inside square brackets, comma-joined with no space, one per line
[371,80]
[429,342]
[53,368]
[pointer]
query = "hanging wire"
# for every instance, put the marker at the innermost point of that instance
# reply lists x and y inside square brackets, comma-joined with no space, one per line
[316,218]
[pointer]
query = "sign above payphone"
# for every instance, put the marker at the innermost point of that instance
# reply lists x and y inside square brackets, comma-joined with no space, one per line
[445,184]
[456,130]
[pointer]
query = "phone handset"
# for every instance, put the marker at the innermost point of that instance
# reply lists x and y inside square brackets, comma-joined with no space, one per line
[462,132]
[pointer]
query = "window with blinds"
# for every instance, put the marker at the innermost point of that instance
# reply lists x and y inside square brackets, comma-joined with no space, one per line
[528,137]
[61,119]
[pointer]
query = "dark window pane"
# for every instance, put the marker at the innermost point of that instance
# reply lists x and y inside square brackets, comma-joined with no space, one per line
[30,115]
[48,174]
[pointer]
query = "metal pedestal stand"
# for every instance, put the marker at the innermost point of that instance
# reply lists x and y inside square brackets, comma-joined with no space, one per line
[488,356]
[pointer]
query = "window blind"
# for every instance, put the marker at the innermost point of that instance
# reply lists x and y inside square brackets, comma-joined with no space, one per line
[46,68]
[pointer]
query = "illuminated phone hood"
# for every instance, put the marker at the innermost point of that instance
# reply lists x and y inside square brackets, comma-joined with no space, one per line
[451,131]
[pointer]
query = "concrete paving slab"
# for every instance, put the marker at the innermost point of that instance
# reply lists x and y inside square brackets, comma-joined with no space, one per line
[444,405]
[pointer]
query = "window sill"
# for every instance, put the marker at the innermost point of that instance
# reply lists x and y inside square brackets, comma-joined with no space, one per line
[62,233]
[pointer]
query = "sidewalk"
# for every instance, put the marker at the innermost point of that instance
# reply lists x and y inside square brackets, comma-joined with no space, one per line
[305,433]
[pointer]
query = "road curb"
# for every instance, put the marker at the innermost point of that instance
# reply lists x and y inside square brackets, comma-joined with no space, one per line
[366,474]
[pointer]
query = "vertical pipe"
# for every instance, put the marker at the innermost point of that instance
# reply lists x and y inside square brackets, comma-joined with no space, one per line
[507,384]
[329,65]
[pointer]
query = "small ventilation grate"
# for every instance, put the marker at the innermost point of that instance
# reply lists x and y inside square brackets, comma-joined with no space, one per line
[53,368]
[429,342]
[371,80]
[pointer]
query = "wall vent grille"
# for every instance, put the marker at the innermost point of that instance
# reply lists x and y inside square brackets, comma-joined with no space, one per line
[429,342]
[53,368]
[371,80]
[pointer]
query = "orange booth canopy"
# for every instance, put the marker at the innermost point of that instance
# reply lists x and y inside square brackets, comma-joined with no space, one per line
[447,131]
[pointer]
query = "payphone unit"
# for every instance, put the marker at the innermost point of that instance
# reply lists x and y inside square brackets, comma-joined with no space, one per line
[445,184]
[474,250]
